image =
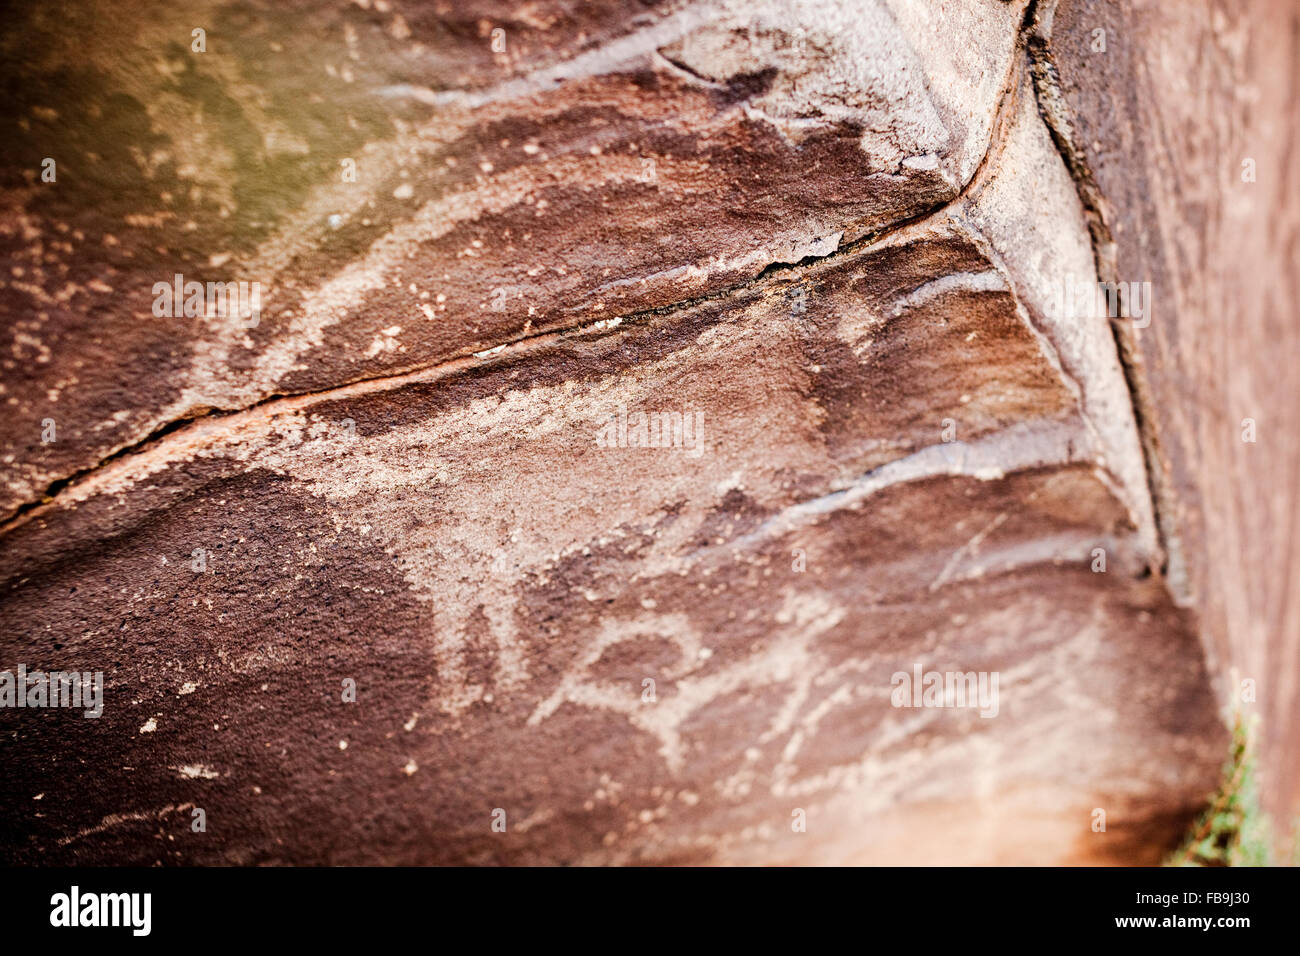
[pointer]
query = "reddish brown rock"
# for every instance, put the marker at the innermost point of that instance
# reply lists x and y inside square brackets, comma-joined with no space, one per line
[822,250]
[1186,130]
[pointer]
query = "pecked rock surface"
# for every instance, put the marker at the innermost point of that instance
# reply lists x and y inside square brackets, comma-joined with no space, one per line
[827,246]
[612,160]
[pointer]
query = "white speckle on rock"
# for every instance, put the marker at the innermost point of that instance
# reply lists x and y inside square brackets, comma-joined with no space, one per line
[197,771]
[928,161]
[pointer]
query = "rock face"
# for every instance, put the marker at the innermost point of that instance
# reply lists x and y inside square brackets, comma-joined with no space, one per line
[635,390]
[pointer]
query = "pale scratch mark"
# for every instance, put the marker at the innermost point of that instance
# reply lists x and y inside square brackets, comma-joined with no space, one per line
[117,819]
[990,280]
[788,659]
[970,547]
[1020,447]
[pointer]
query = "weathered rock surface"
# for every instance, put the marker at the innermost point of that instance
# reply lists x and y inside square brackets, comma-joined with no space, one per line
[1188,127]
[830,242]
[596,183]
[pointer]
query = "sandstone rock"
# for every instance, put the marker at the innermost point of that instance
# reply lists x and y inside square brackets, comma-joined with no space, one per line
[822,249]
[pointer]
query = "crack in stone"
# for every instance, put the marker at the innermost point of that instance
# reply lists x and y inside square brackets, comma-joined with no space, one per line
[1056,116]
[1003,110]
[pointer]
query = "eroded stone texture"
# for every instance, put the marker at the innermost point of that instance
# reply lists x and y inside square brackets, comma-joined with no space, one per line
[837,267]
[662,158]
[1187,126]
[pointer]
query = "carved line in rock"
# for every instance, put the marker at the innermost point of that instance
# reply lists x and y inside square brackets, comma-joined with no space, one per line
[187,418]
